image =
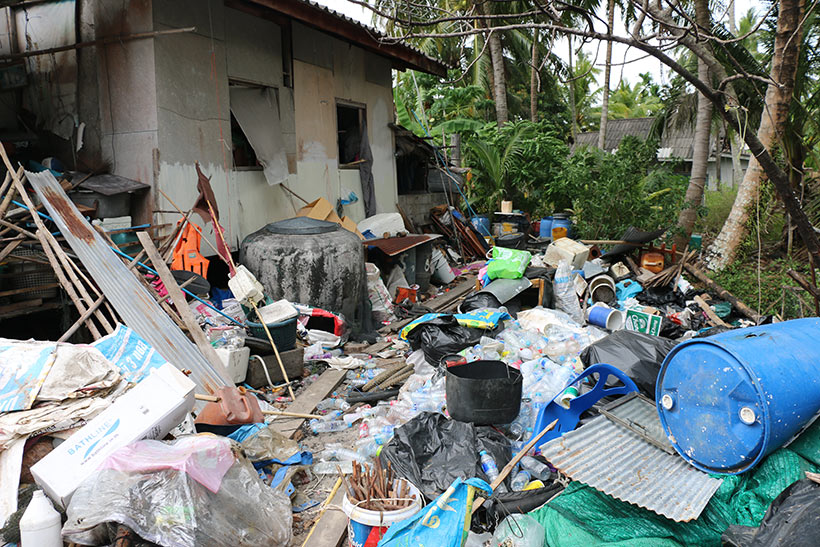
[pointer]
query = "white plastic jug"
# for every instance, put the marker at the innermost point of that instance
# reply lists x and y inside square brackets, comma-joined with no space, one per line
[40,525]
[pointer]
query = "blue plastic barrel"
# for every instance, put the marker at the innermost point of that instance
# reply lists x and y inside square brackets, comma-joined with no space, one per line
[482,224]
[546,227]
[727,401]
[560,224]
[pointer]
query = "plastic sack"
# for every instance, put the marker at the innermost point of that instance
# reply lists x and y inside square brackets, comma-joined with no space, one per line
[565,297]
[445,522]
[636,354]
[792,519]
[197,490]
[519,531]
[487,319]
[380,300]
[508,263]
[441,336]
[432,451]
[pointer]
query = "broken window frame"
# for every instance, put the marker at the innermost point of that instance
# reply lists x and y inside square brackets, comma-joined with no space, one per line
[235,127]
[362,111]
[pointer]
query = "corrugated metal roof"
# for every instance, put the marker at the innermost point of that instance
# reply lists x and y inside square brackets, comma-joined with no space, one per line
[132,301]
[616,461]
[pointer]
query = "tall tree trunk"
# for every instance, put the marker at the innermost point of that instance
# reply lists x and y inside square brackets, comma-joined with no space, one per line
[573,107]
[772,122]
[734,138]
[534,78]
[700,152]
[607,74]
[499,78]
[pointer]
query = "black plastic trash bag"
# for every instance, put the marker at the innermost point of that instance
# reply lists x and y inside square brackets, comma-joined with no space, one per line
[793,520]
[479,301]
[496,509]
[637,354]
[442,336]
[432,451]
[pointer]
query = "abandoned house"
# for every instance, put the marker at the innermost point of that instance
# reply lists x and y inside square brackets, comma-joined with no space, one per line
[273,98]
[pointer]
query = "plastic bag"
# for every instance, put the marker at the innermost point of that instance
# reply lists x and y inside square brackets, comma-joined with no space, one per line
[380,300]
[519,531]
[197,490]
[508,263]
[791,520]
[431,451]
[636,354]
[444,523]
[441,336]
[565,297]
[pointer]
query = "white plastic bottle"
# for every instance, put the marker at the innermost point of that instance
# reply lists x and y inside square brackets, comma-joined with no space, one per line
[40,525]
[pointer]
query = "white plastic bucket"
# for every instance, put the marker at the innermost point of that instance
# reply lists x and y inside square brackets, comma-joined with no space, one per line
[441,269]
[367,527]
[602,289]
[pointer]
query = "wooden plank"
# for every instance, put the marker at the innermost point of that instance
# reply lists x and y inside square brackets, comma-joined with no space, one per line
[30,309]
[25,290]
[437,304]
[710,313]
[332,527]
[723,293]
[306,402]
[178,298]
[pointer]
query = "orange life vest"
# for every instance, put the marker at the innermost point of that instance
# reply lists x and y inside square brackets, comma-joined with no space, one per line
[186,253]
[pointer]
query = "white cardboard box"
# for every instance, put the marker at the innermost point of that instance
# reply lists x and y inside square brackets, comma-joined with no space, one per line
[566,249]
[149,410]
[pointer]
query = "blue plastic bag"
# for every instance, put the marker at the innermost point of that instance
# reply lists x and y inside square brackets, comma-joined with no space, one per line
[445,522]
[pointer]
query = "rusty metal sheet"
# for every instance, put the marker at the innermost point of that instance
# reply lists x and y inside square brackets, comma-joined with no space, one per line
[618,462]
[392,246]
[133,302]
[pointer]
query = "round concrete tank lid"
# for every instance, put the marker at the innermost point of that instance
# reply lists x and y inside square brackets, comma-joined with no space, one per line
[301,226]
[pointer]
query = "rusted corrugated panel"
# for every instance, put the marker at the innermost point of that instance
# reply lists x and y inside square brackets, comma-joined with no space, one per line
[132,301]
[616,461]
[392,246]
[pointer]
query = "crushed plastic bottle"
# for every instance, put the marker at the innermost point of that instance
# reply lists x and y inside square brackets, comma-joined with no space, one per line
[520,480]
[318,426]
[334,404]
[339,454]
[329,468]
[537,469]
[490,469]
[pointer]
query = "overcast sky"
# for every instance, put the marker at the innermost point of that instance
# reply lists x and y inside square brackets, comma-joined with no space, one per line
[620,52]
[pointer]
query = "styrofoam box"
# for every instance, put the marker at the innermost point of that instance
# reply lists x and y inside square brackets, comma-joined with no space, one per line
[566,249]
[235,361]
[149,410]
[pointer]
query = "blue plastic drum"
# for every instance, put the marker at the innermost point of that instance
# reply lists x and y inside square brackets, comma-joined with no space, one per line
[727,401]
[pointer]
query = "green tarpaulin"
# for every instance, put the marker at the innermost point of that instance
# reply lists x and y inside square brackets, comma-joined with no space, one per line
[583,517]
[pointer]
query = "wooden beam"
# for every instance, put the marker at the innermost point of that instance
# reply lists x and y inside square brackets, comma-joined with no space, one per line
[710,313]
[98,42]
[723,293]
[178,298]
[306,402]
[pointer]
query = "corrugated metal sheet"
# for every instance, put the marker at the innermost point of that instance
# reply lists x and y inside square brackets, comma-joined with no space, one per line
[639,414]
[616,461]
[132,301]
[391,246]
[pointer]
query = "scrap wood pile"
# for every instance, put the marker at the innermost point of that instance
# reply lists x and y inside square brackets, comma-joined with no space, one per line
[375,488]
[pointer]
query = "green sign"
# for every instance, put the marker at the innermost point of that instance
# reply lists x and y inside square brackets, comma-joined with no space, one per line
[643,322]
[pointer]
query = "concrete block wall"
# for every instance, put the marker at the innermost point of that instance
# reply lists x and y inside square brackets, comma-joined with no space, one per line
[417,206]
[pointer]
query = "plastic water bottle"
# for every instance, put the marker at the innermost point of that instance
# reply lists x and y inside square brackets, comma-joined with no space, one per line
[490,469]
[382,434]
[537,469]
[523,420]
[331,416]
[318,426]
[329,468]
[40,525]
[331,403]
[520,480]
[339,454]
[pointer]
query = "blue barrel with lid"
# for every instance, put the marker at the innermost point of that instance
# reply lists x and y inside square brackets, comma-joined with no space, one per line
[729,400]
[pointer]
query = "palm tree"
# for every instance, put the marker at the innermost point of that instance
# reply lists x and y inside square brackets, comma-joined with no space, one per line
[607,73]
[700,148]
[772,124]
[492,165]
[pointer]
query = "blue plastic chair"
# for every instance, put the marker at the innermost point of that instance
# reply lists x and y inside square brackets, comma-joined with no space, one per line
[568,418]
